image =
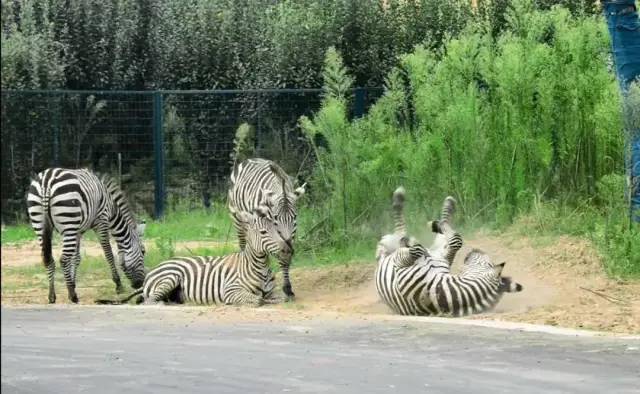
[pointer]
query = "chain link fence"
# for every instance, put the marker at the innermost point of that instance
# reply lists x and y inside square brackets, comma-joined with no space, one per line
[167,148]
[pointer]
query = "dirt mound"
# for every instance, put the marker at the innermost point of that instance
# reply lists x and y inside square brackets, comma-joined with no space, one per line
[565,285]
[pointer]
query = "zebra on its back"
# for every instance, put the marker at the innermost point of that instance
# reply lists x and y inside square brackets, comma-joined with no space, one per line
[414,280]
[239,278]
[250,180]
[72,202]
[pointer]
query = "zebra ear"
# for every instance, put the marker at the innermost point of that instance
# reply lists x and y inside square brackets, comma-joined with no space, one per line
[497,269]
[267,198]
[299,192]
[243,217]
[262,211]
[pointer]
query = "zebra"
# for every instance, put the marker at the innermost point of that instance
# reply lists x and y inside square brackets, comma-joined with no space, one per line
[72,202]
[249,181]
[242,278]
[413,280]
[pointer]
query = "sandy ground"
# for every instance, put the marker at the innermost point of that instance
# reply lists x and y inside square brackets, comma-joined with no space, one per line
[28,253]
[564,285]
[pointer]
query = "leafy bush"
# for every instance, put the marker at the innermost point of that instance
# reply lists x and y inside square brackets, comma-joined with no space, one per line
[502,124]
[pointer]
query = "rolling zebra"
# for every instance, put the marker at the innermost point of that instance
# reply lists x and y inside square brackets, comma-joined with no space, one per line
[239,278]
[249,181]
[72,202]
[414,280]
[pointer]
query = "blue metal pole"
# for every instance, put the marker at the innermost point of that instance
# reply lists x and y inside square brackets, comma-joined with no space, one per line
[624,29]
[358,102]
[158,145]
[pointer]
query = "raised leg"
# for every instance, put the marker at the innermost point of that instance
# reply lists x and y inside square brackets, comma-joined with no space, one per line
[103,235]
[67,261]
[447,242]
[407,256]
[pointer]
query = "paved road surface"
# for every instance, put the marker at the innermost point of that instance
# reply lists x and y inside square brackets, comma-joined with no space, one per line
[111,350]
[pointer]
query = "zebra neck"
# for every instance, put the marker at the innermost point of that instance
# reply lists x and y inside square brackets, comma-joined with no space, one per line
[122,232]
[253,259]
[483,275]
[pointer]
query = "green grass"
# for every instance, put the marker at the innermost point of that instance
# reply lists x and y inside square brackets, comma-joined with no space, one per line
[17,234]
[193,225]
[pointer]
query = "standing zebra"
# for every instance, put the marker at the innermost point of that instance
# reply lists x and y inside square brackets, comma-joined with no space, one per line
[415,281]
[239,278]
[249,181]
[72,202]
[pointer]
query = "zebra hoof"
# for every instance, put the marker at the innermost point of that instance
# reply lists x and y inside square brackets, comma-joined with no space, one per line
[74,299]
[52,300]
[290,297]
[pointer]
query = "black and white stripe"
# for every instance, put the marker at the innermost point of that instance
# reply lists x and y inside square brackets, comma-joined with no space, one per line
[239,278]
[72,202]
[249,181]
[414,280]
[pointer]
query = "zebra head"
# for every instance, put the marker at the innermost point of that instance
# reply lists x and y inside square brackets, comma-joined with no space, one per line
[263,234]
[478,262]
[283,208]
[132,257]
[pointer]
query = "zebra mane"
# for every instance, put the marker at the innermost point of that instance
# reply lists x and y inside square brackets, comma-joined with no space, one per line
[123,203]
[279,172]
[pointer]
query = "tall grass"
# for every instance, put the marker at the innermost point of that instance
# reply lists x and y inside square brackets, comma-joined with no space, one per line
[501,123]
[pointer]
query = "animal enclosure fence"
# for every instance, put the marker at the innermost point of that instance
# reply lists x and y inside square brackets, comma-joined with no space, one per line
[165,147]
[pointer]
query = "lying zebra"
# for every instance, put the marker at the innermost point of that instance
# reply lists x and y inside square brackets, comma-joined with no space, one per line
[242,278]
[415,281]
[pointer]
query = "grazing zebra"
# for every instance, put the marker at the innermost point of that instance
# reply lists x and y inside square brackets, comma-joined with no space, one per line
[239,278]
[72,202]
[415,281]
[249,181]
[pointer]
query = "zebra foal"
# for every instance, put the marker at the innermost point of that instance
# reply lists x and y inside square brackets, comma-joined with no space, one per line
[72,202]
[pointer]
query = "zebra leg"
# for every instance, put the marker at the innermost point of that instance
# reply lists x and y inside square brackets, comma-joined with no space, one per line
[49,262]
[447,242]
[103,235]
[67,261]
[269,295]
[240,296]
[162,290]
[286,282]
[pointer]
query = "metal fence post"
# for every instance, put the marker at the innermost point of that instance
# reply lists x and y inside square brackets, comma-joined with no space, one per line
[358,102]
[158,156]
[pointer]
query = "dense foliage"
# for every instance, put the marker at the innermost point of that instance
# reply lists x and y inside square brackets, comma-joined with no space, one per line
[509,124]
[208,44]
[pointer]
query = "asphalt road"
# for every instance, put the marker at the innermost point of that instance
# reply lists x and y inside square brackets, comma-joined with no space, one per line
[111,350]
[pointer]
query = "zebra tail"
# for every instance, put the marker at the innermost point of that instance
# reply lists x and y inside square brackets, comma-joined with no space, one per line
[122,301]
[47,230]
